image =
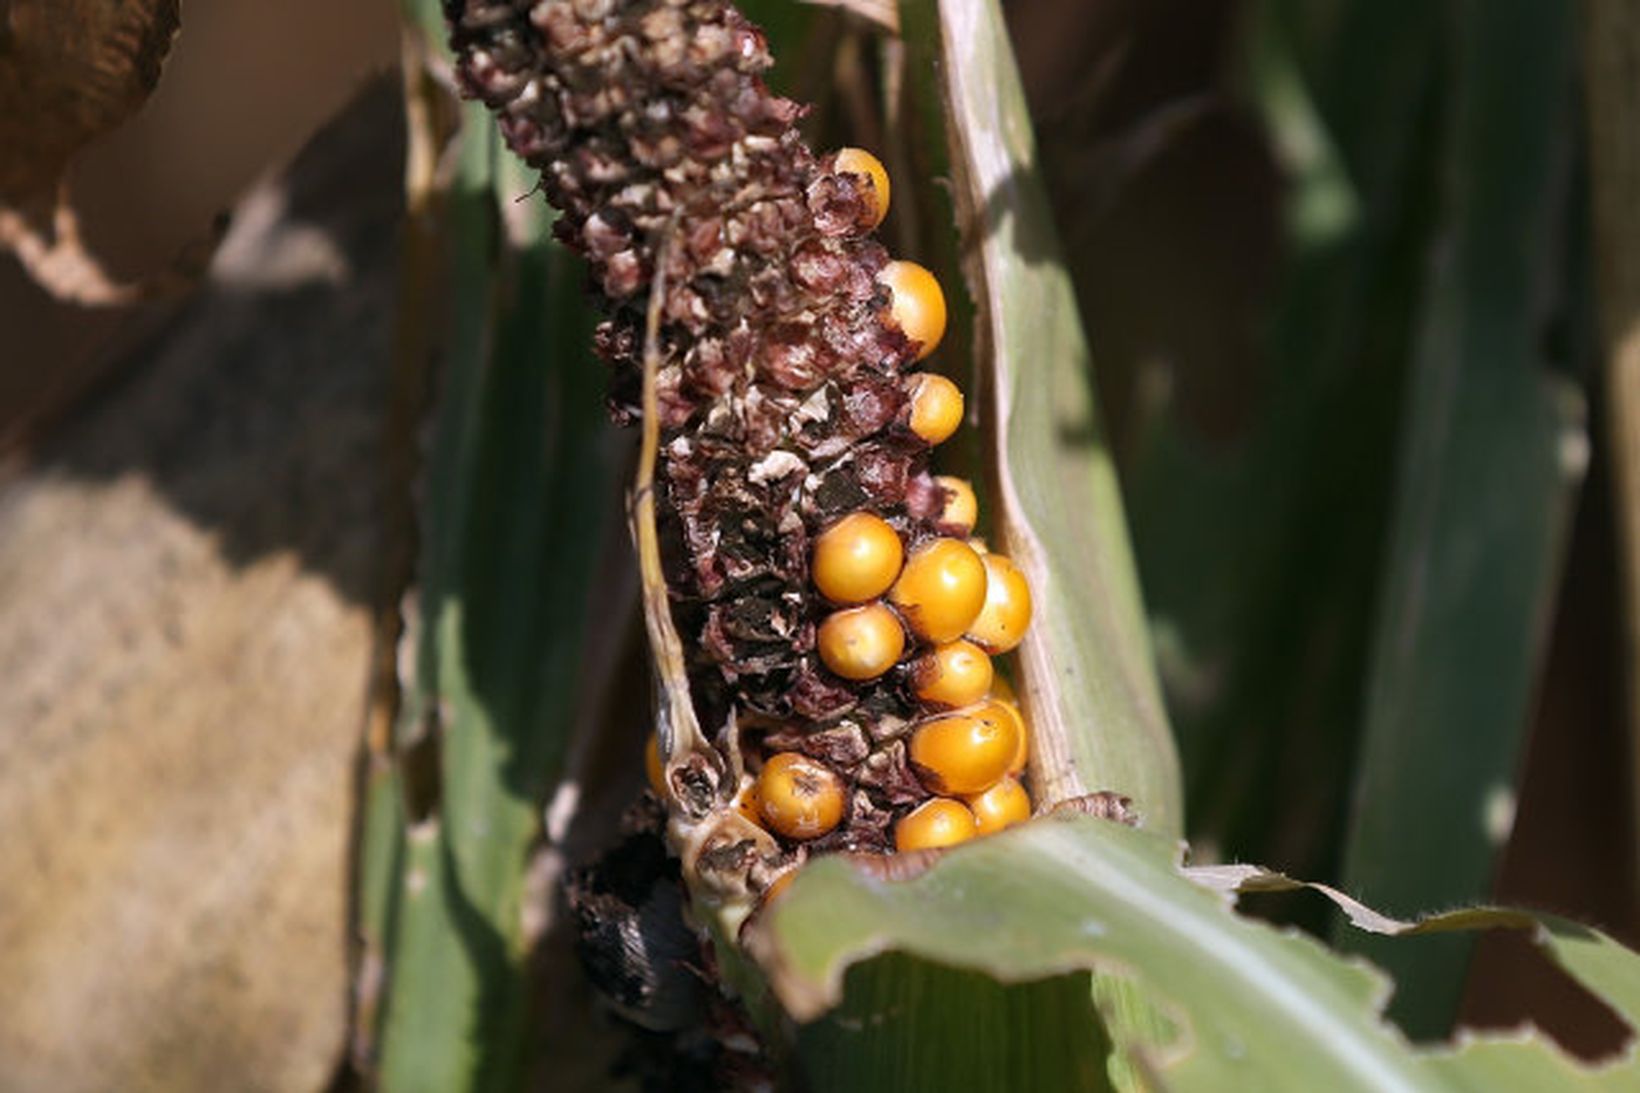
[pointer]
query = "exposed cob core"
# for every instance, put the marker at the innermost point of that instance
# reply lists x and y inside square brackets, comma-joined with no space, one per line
[819,575]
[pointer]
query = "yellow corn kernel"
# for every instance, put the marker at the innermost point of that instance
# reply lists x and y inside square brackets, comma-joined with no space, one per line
[936,406]
[858,161]
[1003,805]
[952,675]
[1001,622]
[916,305]
[1008,708]
[861,643]
[961,509]
[941,589]
[935,823]
[966,752]
[799,797]
[857,558]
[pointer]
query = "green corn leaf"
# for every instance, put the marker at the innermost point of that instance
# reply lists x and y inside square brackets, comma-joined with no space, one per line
[1245,1005]
[1260,562]
[1489,465]
[521,482]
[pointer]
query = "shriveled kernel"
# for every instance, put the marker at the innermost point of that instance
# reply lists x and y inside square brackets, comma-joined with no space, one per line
[857,558]
[916,304]
[1003,805]
[952,675]
[935,823]
[936,406]
[964,753]
[653,766]
[961,509]
[858,161]
[799,797]
[941,589]
[861,643]
[1001,623]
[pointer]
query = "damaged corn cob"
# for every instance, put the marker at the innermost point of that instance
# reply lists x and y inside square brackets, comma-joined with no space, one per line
[836,619]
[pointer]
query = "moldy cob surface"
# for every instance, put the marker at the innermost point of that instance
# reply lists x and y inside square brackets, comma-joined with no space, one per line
[836,619]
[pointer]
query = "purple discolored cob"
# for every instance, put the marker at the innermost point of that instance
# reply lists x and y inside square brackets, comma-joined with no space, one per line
[783,401]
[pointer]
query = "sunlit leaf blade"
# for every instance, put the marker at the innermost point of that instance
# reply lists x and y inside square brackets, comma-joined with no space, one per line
[1100,896]
[1251,1007]
[520,481]
[1089,683]
[1524,1063]
[1600,964]
[1490,459]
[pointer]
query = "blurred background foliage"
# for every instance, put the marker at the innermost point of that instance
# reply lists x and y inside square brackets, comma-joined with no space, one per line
[1341,295]
[1337,260]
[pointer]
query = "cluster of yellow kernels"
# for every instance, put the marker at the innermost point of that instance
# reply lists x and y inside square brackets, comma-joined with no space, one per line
[948,599]
[961,603]
[954,602]
[972,760]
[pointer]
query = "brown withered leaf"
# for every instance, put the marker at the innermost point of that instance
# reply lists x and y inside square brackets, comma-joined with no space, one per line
[176,765]
[71,70]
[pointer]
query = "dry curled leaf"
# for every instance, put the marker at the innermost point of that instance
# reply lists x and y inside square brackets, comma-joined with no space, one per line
[70,70]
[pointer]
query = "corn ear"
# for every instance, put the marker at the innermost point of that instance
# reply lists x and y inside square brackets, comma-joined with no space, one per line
[929,968]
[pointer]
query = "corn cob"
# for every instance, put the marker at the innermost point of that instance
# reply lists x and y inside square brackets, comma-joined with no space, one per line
[837,620]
